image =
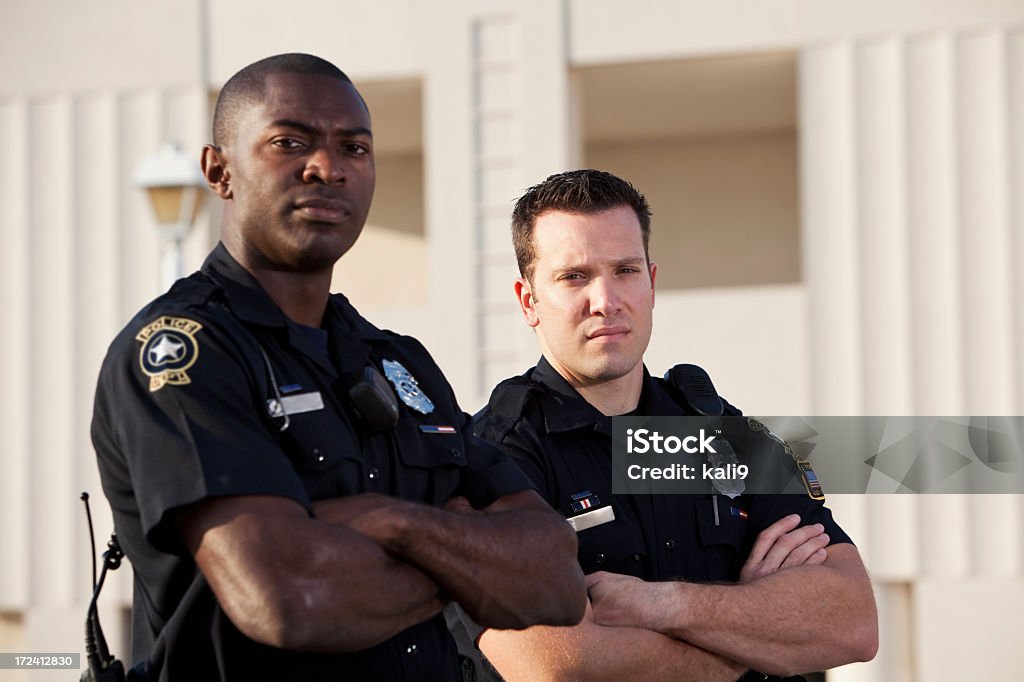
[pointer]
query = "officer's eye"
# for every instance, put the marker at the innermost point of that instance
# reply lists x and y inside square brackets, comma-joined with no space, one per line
[358,149]
[286,143]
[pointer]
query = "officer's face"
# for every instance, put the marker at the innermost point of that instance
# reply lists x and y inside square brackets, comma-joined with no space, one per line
[299,173]
[592,295]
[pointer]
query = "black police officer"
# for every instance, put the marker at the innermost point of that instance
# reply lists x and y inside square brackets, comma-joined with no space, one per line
[294,487]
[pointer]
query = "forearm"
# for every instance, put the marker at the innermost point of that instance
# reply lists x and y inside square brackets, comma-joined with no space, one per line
[360,596]
[598,653]
[482,559]
[493,565]
[289,581]
[804,618]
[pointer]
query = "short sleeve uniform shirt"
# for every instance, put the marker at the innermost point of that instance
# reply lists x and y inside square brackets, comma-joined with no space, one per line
[212,391]
[564,445]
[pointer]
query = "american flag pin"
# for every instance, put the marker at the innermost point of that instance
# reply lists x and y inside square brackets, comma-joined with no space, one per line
[430,428]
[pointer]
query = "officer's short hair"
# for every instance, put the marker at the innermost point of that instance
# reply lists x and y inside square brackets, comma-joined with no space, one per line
[247,86]
[578,191]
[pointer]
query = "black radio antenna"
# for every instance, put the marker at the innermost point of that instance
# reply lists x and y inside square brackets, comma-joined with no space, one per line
[102,667]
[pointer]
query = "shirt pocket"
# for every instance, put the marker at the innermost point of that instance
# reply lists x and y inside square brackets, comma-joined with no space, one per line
[431,463]
[325,453]
[724,543]
[615,546]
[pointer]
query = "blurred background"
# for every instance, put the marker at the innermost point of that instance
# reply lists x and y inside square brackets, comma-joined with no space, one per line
[838,222]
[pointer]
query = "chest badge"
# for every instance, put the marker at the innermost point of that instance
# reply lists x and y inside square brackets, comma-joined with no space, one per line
[406,386]
[169,348]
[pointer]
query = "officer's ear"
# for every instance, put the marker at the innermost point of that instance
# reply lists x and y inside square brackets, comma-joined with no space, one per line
[653,269]
[527,301]
[215,170]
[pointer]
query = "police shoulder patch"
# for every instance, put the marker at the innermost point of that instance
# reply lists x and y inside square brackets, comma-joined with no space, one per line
[169,349]
[810,479]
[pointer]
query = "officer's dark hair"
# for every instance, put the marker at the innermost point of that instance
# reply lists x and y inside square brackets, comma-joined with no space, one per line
[583,191]
[248,85]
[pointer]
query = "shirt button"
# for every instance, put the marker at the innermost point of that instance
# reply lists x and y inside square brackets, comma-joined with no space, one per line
[601,558]
[374,473]
[636,557]
[670,544]
[455,453]
[317,455]
[411,649]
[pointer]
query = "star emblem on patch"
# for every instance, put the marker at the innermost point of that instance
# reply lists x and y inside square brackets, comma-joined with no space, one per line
[169,349]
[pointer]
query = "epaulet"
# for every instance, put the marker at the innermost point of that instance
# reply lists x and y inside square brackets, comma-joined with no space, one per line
[504,409]
[187,293]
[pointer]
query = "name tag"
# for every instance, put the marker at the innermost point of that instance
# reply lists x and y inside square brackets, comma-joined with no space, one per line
[295,404]
[592,518]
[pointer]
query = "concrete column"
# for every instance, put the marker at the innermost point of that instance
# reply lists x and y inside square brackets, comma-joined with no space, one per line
[932,203]
[829,213]
[983,143]
[986,245]
[15,349]
[52,371]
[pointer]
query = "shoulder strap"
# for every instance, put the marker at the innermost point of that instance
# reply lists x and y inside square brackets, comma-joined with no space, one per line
[694,389]
[504,409]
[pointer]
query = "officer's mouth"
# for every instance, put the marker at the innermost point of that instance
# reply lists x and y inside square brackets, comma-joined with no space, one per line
[608,334]
[323,210]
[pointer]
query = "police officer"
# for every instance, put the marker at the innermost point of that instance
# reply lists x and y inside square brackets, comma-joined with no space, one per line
[294,487]
[655,563]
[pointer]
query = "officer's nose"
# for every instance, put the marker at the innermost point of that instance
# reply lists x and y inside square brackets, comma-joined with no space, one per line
[324,166]
[604,299]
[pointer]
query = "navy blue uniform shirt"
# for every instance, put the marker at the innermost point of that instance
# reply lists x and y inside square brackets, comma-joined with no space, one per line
[564,445]
[186,409]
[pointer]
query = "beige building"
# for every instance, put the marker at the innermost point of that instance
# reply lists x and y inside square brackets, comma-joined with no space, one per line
[838,190]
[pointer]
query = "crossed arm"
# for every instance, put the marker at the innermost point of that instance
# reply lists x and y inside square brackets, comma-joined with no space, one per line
[614,642]
[367,567]
[803,618]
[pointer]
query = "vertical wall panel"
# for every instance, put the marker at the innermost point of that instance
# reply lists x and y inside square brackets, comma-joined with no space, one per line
[984,223]
[54,337]
[985,241]
[498,84]
[884,283]
[943,539]
[99,182]
[15,344]
[1016,87]
[830,248]
[881,181]
[934,242]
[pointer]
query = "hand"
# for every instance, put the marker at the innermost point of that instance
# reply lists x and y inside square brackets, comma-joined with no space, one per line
[460,505]
[618,599]
[783,545]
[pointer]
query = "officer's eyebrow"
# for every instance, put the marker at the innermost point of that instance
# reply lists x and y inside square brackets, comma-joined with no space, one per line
[582,266]
[308,129]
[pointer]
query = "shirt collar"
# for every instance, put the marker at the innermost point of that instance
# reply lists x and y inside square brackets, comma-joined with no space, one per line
[248,301]
[565,409]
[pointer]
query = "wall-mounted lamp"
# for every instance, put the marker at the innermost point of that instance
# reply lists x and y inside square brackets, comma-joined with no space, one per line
[176,188]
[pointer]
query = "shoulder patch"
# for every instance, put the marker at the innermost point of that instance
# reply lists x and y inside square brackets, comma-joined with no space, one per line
[803,466]
[169,349]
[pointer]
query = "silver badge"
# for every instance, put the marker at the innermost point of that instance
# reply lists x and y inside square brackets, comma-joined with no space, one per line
[407,387]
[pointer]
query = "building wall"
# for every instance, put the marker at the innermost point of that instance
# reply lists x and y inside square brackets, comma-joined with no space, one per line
[905,155]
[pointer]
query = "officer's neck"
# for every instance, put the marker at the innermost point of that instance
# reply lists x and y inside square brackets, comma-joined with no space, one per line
[610,397]
[302,296]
